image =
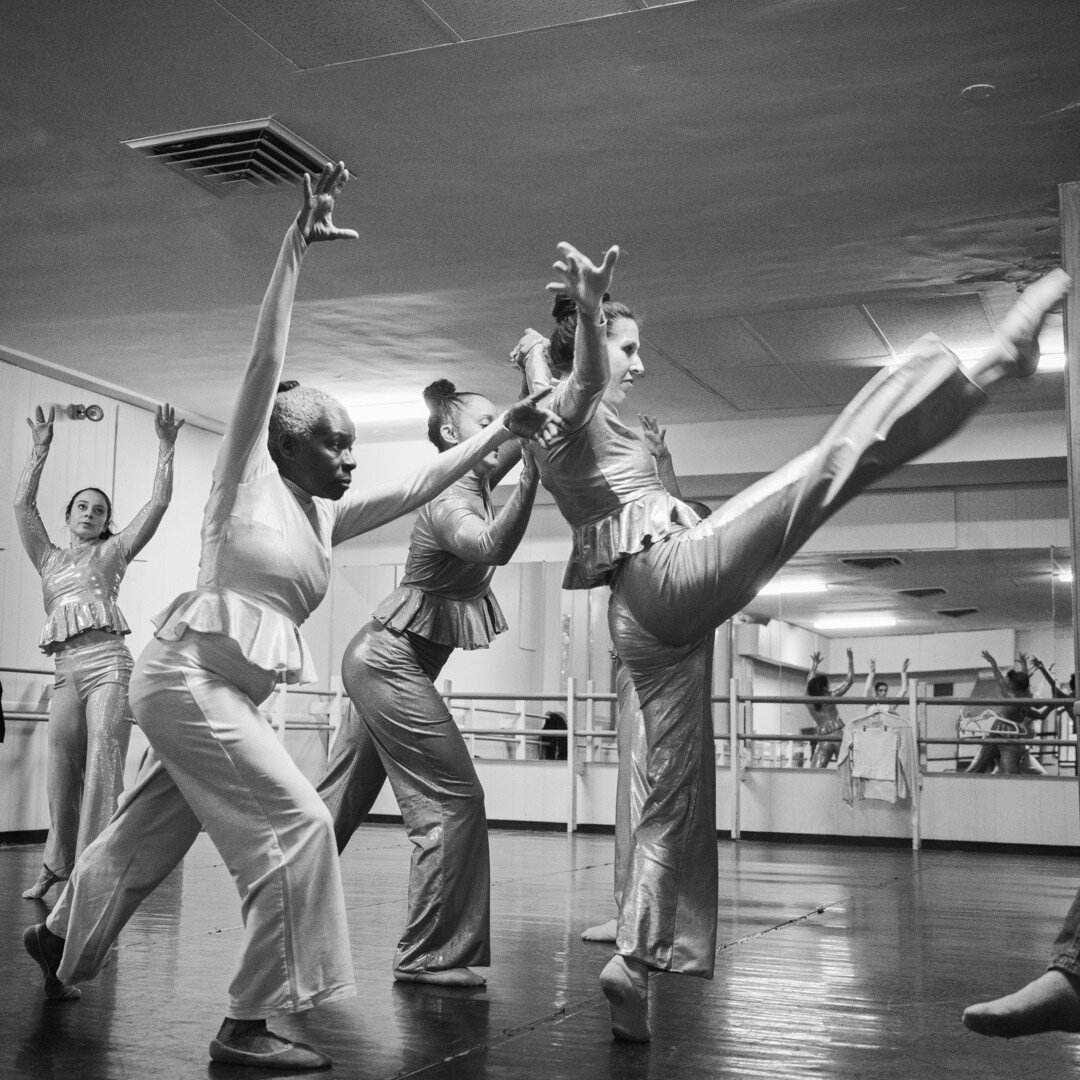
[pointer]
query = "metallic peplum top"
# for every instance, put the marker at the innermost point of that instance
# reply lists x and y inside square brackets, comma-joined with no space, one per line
[445,593]
[80,584]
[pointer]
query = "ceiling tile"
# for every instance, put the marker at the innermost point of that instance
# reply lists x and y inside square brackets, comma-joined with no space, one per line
[834,384]
[753,389]
[816,335]
[706,345]
[960,321]
[473,19]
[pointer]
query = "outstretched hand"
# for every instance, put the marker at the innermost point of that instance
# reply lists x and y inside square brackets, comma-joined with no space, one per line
[988,657]
[314,219]
[166,424]
[653,435]
[815,658]
[527,421]
[41,428]
[581,279]
[906,664]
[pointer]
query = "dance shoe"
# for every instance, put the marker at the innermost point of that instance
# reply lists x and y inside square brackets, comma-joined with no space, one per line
[451,977]
[47,949]
[46,880]
[1019,329]
[628,1001]
[266,1050]
[605,932]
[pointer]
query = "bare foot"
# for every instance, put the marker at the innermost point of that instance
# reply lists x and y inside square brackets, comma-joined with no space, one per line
[604,932]
[625,983]
[1050,1003]
[451,977]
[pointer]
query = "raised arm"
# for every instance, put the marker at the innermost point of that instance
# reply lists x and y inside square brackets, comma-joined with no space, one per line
[999,678]
[871,678]
[143,526]
[32,531]
[509,456]
[904,677]
[1058,691]
[585,284]
[363,511]
[849,679]
[245,438]
[653,436]
[462,532]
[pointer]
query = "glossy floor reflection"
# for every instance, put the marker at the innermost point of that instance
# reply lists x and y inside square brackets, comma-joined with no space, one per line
[836,962]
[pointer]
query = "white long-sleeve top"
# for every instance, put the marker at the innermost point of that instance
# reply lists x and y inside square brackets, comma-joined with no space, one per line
[265,562]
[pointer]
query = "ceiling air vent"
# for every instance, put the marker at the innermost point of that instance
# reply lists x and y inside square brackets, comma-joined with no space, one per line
[957,612]
[254,155]
[872,562]
[918,594]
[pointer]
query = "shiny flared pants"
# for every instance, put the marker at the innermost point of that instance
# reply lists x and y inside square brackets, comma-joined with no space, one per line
[215,760]
[666,599]
[400,729]
[89,731]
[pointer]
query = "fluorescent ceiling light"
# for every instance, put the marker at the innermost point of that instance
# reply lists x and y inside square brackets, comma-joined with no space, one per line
[1052,361]
[785,586]
[388,412]
[855,621]
[1064,576]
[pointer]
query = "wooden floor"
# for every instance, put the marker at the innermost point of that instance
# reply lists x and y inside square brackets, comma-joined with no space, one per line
[835,962]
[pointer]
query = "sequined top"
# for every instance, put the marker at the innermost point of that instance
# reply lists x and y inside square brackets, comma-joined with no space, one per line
[80,584]
[456,543]
[265,562]
[603,477]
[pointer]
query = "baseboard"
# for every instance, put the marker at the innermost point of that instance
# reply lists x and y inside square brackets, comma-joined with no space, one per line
[24,836]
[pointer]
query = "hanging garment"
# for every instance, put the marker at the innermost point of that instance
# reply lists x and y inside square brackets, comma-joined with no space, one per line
[878,758]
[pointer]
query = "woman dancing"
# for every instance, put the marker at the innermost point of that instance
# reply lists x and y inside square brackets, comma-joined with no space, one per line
[89,719]
[277,504]
[826,717]
[399,727]
[673,579]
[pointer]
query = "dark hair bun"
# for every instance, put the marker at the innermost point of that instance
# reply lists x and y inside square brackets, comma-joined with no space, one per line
[285,387]
[565,306]
[439,390]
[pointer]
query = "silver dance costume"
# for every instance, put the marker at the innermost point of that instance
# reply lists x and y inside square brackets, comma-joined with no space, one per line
[674,580]
[214,760]
[399,726]
[89,719]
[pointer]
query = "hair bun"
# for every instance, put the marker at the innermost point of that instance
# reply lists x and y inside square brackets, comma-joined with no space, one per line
[439,390]
[285,387]
[564,305]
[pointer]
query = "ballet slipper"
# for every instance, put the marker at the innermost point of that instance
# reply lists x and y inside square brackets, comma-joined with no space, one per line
[250,1043]
[462,976]
[604,932]
[628,1001]
[1019,330]
[46,880]
[47,950]
[1049,1003]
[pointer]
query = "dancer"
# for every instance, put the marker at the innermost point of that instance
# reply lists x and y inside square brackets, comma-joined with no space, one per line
[277,504]
[879,688]
[826,717]
[1015,722]
[399,726]
[89,719]
[674,579]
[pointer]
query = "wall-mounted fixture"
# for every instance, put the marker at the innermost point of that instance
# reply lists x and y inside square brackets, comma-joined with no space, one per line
[86,412]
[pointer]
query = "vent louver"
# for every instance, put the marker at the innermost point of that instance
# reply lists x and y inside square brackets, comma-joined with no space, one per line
[253,155]
[918,594]
[957,612]
[872,562]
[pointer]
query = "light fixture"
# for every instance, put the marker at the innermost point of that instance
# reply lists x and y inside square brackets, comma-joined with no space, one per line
[86,412]
[785,586]
[1064,576]
[388,412]
[1052,361]
[855,621]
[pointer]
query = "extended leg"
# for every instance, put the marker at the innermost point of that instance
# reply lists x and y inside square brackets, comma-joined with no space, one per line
[353,779]
[441,800]
[108,727]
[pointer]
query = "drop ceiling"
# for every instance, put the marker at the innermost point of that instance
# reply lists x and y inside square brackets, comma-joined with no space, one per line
[800,189]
